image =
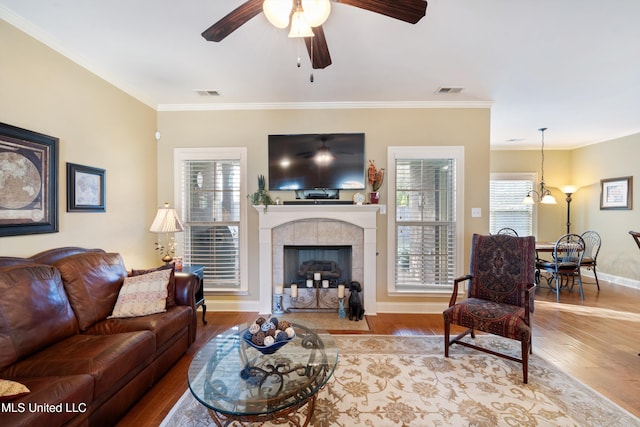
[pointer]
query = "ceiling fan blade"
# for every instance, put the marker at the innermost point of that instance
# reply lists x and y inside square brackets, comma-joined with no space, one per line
[320,57]
[405,10]
[234,20]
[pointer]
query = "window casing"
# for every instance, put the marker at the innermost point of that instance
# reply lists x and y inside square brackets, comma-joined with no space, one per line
[426,229]
[211,198]
[507,190]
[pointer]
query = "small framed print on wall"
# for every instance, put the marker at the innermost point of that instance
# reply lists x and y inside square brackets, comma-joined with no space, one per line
[85,189]
[616,193]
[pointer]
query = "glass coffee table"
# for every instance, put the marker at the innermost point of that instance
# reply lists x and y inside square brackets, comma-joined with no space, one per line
[237,382]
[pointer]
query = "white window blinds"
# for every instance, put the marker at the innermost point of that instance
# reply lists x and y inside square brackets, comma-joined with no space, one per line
[211,202]
[506,207]
[425,223]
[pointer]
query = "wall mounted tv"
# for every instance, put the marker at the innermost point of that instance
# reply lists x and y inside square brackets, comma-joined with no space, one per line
[317,161]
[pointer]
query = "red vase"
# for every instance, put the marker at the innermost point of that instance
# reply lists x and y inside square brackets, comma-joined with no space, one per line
[374,197]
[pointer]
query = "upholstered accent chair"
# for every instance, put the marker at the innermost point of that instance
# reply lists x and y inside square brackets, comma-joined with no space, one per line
[499,294]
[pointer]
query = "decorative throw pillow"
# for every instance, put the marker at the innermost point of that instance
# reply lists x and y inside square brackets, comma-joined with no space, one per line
[142,295]
[10,390]
[171,289]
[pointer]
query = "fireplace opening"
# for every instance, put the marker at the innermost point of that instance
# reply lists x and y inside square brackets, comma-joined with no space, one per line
[302,263]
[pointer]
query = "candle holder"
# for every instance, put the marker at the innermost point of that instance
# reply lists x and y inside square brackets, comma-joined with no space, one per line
[341,311]
[277,304]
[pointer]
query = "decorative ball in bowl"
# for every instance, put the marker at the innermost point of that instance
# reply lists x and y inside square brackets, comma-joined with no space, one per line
[268,335]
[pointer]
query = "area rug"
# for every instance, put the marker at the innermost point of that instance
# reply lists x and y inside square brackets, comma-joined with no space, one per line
[407,381]
[328,321]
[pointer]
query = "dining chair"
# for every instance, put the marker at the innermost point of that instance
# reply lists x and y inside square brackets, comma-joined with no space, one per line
[508,231]
[592,243]
[565,264]
[499,293]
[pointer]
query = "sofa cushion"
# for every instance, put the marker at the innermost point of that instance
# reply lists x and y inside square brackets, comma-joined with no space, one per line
[164,325]
[34,311]
[74,392]
[142,295]
[10,390]
[92,281]
[171,289]
[110,359]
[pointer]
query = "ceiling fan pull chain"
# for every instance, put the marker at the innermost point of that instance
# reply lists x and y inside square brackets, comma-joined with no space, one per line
[298,63]
[311,76]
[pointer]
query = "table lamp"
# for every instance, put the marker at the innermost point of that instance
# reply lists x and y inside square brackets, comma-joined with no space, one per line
[166,222]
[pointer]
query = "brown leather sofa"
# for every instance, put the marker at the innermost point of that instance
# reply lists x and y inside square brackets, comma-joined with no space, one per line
[81,367]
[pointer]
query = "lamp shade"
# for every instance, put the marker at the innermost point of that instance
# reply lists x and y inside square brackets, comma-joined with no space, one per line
[316,11]
[166,221]
[548,199]
[278,12]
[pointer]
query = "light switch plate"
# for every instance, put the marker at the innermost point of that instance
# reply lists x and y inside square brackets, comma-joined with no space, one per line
[476,212]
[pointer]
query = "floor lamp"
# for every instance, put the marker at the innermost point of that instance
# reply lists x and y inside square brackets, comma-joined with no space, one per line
[568,190]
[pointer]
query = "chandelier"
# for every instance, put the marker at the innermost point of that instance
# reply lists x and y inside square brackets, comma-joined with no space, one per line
[300,15]
[544,195]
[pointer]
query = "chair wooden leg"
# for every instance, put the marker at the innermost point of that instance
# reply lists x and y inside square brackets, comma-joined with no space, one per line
[525,361]
[447,331]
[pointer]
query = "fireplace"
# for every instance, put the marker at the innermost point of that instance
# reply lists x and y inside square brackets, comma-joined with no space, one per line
[282,226]
[331,263]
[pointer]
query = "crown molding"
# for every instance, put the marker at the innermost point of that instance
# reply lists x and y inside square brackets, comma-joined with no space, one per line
[325,105]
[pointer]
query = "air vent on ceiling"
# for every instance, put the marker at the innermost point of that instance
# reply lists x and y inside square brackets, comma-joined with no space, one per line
[445,90]
[208,92]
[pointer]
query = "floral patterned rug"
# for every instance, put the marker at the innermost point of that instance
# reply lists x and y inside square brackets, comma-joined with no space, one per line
[407,381]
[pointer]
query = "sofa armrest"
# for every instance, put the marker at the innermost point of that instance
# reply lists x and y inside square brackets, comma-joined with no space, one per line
[186,286]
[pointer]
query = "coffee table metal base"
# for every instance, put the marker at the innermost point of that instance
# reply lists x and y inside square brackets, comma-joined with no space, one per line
[289,415]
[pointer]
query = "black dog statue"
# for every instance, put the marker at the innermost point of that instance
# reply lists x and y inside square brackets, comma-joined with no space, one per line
[356,309]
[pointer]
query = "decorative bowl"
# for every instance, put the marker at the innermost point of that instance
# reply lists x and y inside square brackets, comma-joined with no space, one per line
[265,349]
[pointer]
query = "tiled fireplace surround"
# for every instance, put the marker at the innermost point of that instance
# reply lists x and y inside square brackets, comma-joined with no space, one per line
[321,225]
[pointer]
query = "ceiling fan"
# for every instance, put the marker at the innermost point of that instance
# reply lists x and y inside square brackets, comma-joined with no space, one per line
[410,11]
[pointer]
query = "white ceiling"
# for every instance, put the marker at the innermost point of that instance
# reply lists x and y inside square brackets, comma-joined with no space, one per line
[572,66]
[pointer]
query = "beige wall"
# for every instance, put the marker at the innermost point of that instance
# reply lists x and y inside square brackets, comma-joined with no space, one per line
[619,257]
[99,126]
[382,128]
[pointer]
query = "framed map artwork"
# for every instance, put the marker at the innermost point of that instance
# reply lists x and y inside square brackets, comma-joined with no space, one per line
[28,182]
[85,189]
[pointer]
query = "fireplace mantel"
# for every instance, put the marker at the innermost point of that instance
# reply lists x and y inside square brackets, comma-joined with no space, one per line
[363,216]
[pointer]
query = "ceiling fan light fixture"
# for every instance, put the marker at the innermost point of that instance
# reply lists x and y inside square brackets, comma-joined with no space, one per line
[299,25]
[316,11]
[278,12]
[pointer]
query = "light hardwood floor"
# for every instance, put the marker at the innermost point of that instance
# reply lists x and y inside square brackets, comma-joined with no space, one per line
[596,341]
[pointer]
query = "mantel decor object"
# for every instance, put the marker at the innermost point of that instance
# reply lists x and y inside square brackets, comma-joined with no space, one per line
[375,177]
[261,196]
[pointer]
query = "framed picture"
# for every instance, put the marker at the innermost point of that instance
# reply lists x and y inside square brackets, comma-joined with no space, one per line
[28,182]
[616,193]
[85,189]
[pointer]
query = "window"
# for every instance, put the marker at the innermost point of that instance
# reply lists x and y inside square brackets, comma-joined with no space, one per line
[507,190]
[426,225]
[211,198]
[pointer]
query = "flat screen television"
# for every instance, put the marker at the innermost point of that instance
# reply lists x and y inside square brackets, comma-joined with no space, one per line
[332,161]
